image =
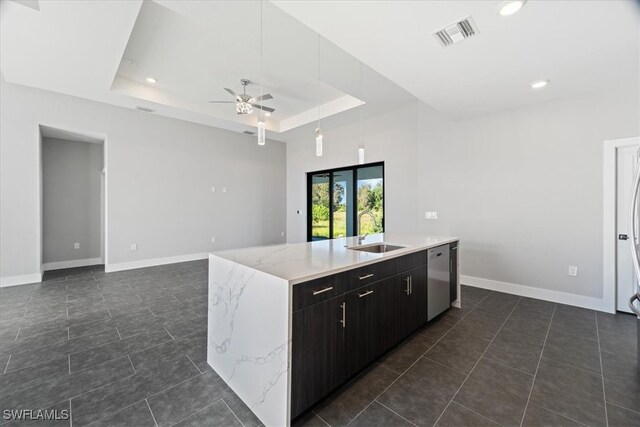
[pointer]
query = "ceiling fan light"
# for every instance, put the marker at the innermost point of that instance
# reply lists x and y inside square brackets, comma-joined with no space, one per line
[244,108]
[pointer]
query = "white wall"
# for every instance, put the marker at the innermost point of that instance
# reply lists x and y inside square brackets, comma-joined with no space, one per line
[159,178]
[524,189]
[521,188]
[72,171]
[390,137]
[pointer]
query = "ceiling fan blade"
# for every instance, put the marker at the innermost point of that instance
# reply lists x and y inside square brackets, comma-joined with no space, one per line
[263,97]
[263,108]
[233,93]
[222,102]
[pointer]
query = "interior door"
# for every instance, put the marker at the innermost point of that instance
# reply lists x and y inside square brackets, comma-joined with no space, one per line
[627,159]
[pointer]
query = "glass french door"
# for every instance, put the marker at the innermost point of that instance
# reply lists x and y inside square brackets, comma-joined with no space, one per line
[336,197]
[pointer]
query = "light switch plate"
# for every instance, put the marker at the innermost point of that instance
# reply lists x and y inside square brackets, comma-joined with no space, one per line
[76,246]
[573,270]
[431,215]
[134,246]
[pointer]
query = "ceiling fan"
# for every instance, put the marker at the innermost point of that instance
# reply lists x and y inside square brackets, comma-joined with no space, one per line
[246,103]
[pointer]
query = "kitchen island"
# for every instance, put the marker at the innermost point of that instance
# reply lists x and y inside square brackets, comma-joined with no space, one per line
[290,323]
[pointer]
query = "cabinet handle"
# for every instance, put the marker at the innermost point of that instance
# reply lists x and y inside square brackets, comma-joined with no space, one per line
[410,285]
[408,288]
[366,276]
[322,291]
[365,294]
[344,314]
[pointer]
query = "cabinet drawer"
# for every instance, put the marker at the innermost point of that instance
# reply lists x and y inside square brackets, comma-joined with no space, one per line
[318,290]
[410,261]
[372,273]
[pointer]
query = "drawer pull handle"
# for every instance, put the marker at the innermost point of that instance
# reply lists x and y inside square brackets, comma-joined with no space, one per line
[343,306]
[322,291]
[366,276]
[365,294]
[408,288]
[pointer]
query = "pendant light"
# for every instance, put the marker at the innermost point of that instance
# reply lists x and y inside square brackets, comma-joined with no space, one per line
[262,138]
[361,144]
[318,142]
[318,130]
[262,127]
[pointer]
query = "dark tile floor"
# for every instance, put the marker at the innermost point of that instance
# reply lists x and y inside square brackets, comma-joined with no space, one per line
[129,349]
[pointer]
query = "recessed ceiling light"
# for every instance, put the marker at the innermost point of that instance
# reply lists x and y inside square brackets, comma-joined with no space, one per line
[151,80]
[539,84]
[267,114]
[511,7]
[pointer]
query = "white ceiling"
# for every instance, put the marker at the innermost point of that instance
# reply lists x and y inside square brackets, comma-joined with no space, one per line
[581,46]
[195,48]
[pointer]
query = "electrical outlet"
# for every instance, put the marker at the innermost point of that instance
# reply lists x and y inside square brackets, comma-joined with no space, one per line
[573,270]
[431,215]
[76,246]
[213,239]
[224,189]
[134,246]
[213,189]
[282,234]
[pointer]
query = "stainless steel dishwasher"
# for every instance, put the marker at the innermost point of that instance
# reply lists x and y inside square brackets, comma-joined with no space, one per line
[438,291]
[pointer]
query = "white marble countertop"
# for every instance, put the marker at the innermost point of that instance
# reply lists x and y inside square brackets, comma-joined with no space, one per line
[301,262]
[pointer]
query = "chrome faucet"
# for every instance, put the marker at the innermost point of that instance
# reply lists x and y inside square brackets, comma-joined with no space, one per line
[360,237]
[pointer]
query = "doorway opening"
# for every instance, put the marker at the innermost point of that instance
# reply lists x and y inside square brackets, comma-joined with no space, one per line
[336,198]
[621,157]
[72,199]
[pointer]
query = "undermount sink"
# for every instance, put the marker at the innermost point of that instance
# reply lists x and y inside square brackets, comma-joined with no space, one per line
[378,248]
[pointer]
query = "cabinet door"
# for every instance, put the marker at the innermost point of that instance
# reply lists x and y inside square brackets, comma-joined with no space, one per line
[367,325]
[318,354]
[414,307]
[453,270]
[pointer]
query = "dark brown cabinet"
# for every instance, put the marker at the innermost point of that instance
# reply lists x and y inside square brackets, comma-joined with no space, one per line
[413,310]
[317,359]
[453,271]
[343,323]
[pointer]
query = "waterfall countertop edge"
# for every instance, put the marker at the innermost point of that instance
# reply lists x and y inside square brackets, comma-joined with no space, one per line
[301,262]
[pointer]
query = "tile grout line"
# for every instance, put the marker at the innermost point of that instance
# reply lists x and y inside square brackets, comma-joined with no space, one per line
[234,414]
[199,410]
[565,416]
[119,336]
[469,409]
[134,368]
[152,416]
[624,407]
[385,406]
[192,362]
[7,366]
[69,359]
[604,393]
[165,328]
[505,365]
[321,419]
[421,356]
[18,334]
[481,356]
[70,414]
[535,375]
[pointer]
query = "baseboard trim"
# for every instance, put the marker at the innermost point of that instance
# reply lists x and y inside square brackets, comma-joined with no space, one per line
[71,263]
[20,280]
[131,265]
[538,293]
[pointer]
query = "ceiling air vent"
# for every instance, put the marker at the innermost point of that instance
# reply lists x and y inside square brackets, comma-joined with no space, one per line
[248,132]
[456,32]
[145,109]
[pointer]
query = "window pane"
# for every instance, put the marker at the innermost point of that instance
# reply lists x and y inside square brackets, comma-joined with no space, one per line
[342,203]
[320,207]
[370,198]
